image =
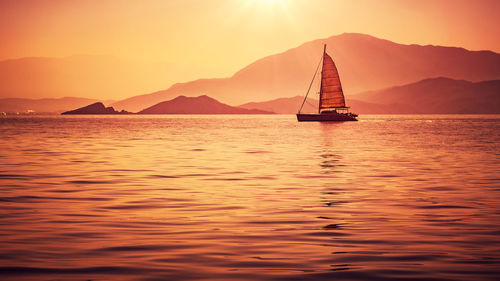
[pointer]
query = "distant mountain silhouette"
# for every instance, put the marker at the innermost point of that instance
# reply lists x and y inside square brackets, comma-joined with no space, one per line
[435,95]
[284,105]
[197,105]
[362,107]
[87,76]
[364,62]
[95,108]
[291,106]
[44,105]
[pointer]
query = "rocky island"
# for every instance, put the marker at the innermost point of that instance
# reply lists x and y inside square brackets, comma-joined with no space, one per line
[95,108]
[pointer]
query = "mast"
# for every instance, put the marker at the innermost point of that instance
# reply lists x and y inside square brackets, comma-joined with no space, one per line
[321,88]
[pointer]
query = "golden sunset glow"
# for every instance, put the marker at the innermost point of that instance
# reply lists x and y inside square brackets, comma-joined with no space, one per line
[202,32]
[180,41]
[250,140]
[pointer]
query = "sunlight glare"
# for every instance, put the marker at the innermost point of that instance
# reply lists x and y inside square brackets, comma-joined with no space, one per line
[267,2]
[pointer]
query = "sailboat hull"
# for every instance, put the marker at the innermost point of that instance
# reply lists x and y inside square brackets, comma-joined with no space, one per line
[326,117]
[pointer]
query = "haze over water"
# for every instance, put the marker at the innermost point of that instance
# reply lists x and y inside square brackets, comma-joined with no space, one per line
[408,197]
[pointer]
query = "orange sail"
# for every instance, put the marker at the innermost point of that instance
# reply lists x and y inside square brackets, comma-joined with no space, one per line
[331,95]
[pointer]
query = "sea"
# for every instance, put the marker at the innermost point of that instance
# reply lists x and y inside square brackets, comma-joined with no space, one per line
[249,197]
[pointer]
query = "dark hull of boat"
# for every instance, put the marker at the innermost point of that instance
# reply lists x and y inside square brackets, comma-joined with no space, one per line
[330,117]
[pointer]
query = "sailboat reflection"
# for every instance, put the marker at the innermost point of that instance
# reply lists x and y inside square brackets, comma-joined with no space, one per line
[330,159]
[333,196]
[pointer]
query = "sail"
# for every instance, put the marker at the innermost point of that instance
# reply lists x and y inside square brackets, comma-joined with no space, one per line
[331,94]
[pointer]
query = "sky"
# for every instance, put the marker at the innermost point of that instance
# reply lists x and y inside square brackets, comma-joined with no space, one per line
[221,36]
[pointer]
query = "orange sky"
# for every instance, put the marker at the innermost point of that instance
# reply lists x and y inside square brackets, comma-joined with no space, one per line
[221,36]
[116,49]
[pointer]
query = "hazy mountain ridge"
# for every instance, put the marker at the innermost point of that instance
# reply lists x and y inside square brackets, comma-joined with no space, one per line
[434,95]
[364,62]
[284,105]
[47,105]
[292,105]
[90,76]
[438,95]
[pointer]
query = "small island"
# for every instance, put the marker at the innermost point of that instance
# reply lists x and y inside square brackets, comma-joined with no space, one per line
[197,105]
[95,108]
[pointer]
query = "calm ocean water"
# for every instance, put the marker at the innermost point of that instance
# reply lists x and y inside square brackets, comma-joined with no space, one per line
[402,197]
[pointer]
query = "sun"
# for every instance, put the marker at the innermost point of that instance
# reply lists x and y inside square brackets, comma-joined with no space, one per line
[265,6]
[268,2]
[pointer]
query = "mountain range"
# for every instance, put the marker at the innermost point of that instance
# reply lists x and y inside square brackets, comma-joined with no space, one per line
[436,95]
[429,96]
[364,62]
[378,76]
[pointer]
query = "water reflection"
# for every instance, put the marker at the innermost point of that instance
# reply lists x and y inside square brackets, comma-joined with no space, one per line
[249,198]
[330,159]
[331,163]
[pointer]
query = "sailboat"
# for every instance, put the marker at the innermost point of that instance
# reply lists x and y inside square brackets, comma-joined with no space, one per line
[332,105]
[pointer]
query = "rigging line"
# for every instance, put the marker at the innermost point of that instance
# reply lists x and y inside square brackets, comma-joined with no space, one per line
[309,103]
[310,85]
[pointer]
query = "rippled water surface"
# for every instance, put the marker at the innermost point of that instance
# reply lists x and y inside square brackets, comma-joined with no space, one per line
[250,198]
